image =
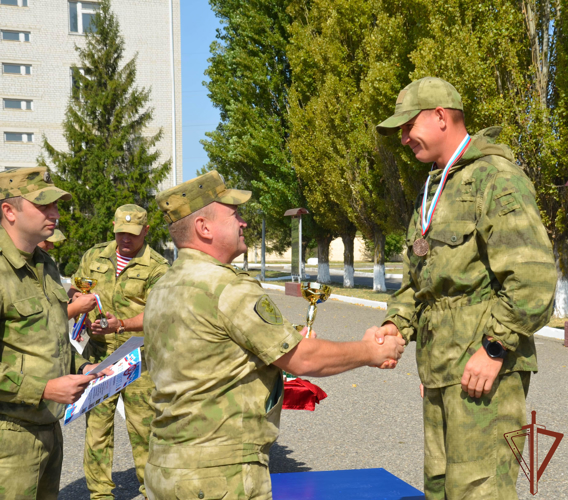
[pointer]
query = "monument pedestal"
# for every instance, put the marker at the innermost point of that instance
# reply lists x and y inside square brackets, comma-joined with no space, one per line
[293,289]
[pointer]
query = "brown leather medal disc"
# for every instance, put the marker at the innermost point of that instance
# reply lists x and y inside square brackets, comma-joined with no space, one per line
[420,247]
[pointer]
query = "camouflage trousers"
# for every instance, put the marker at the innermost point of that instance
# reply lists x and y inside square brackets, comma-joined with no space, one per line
[465,453]
[31,457]
[99,439]
[248,481]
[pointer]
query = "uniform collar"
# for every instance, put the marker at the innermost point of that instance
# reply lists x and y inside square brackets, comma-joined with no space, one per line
[192,254]
[142,257]
[13,255]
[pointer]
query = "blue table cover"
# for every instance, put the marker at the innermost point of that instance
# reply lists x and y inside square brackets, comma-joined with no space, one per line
[358,484]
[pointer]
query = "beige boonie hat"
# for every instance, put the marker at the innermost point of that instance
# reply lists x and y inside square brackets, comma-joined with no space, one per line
[426,93]
[180,201]
[130,219]
[34,184]
[56,237]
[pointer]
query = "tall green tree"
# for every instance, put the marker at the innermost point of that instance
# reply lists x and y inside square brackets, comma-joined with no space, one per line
[250,76]
[339,79]
[110,160]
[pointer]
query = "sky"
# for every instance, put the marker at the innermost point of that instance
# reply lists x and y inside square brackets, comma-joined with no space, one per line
[198,25]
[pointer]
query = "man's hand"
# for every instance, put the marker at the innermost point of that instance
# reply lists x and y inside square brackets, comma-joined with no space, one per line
[480,372]
[387,351]
[67,389]
[380,334]
[83,303]
[304,332]
[113,325]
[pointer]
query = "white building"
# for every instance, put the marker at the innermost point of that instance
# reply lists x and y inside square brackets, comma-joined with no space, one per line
[37,40]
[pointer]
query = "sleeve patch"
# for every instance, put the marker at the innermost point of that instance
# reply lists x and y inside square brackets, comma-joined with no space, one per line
[268,311]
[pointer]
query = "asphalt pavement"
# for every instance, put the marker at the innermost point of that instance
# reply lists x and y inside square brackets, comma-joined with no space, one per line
[371,418]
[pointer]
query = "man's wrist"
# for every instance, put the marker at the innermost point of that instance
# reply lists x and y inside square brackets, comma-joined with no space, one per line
[81,368]
[494,348]
[121,327]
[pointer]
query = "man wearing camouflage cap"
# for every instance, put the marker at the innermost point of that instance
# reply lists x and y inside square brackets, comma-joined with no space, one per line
[36,357]
[126,270]
[479,280]
[215,348]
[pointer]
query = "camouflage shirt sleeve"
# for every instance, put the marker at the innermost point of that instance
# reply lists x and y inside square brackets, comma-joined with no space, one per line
[254,322]
[402,306]
[520,255]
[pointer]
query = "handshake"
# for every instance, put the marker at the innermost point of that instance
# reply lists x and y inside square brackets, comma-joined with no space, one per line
[391,345]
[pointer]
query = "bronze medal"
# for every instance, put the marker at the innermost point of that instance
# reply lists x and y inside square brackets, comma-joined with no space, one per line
[420,247]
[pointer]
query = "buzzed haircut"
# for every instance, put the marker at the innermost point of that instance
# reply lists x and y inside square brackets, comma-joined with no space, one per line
[456,115]
[181,231]
[15,202]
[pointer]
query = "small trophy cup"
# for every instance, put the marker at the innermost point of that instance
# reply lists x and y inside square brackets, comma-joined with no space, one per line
[86,285]
[315,293]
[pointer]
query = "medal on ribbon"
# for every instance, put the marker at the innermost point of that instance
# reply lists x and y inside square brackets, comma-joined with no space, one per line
[421,247]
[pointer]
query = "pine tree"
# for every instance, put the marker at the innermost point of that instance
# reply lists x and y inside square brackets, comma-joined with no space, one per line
[110,160]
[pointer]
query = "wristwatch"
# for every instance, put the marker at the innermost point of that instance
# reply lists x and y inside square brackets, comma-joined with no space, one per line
[81,368]
[493,349]
[120,330]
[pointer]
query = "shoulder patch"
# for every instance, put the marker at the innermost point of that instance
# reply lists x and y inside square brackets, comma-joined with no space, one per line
[268,311]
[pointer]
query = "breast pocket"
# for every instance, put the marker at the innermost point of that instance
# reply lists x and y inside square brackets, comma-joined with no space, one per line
[99,270]
[135,283]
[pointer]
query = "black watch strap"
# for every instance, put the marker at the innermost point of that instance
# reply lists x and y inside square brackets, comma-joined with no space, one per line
[80,370]
[494,349]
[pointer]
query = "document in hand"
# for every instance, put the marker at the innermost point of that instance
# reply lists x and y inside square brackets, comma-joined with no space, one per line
[125,371]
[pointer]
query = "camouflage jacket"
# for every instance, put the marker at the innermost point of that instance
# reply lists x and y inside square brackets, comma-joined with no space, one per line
[35,344]
[489,270]
[211,334]
[123,296]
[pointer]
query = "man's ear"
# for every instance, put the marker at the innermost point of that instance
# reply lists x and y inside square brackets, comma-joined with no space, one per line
[146,229]
[203,228]
[441,117]
[8,212]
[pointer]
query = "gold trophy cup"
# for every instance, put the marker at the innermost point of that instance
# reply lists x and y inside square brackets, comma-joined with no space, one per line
[86,285]
[315,293]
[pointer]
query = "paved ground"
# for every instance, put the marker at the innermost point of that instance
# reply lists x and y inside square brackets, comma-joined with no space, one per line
[371,418]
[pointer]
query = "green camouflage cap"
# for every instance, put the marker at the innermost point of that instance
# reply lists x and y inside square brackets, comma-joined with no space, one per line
[426,93]
[34,184]
[180,201]
[56,237]
[130,219]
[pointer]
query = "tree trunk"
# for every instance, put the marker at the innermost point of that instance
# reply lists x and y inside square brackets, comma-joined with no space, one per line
[246,261]
[323,259]
[303,259]
[379,284]
[348,260]
[561,298]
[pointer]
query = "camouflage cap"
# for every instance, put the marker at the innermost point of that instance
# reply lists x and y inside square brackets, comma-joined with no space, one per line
[34,184]
[181,201]
[426,93]
[130,219]
[56,237]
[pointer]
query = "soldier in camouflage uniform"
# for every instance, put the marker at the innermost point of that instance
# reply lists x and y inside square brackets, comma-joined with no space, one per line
[123,298]
[36,356]
[216,345]
[476,285]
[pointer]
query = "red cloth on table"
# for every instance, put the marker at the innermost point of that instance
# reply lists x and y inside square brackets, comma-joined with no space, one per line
[301,395]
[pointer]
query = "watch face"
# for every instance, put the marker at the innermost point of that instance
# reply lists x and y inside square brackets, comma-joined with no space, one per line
[494,349]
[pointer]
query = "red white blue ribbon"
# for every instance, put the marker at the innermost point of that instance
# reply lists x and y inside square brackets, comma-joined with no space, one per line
[77,327]
[427,217]
[99,303]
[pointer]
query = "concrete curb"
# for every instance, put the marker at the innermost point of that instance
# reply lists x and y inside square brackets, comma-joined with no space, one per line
[552,333]
[375,304]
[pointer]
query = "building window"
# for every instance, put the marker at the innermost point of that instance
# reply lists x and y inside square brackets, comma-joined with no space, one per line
[15,36]
[14,3]
[18,137]
[82,16]
[21,104]
[16,69]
